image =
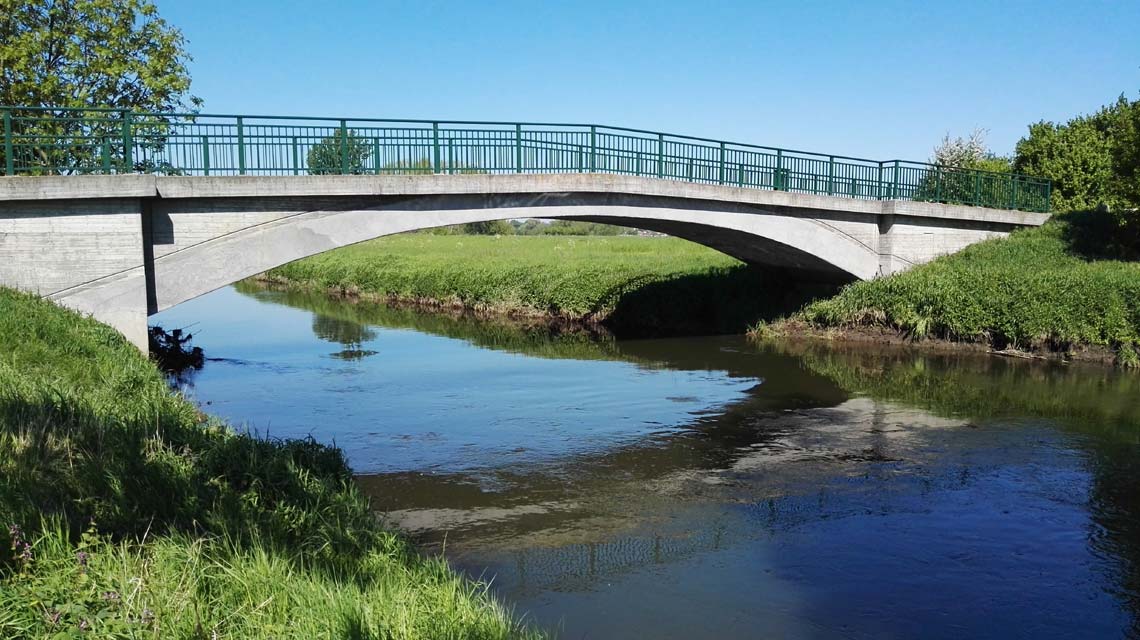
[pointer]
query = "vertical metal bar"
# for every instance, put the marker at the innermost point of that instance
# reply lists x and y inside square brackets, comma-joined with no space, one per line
[241,146]
[296,156]
[831,175]
[206,155]
[518,148]
[879,183]
[740,174]
[778,175]
[106,153]
[593,149]
[435,147]
[451,155]
[128,143]
[977,188]
[895,185]
[376,153]
[9,148]
[722,158]
[344,168]
[660,155]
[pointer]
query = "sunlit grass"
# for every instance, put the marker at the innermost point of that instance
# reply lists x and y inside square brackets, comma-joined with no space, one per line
[129,514]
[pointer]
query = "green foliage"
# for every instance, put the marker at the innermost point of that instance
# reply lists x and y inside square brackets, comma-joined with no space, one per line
[568,228]
[209,530]
[1091,160]
[87,54]
[489,228]
[344,153]
[1033,289]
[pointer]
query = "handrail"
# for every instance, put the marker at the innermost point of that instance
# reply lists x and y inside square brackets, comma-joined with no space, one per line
[50,141]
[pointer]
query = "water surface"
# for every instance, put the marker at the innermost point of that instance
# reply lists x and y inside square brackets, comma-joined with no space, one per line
[704,487]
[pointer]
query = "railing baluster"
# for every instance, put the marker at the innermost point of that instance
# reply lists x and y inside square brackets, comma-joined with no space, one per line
[9,148]
[241,146]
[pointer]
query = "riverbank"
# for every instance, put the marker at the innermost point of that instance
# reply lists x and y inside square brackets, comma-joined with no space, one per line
[634,286]
[1053,292]
[130,513]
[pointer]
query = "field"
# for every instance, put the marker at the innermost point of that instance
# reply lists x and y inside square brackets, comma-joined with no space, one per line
[129,514]
[1051,289]
[636,285]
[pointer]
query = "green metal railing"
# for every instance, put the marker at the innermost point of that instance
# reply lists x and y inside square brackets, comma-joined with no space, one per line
[42,141]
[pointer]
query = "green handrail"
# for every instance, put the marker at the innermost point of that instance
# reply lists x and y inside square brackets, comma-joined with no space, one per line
[46,141]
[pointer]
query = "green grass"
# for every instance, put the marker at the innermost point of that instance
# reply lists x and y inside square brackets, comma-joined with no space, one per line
[633,284]
[1036,290]
[187,529]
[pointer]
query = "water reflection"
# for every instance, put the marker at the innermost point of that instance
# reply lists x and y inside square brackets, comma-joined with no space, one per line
[705,487]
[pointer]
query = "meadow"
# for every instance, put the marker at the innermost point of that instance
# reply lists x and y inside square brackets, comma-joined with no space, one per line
[633,285]
[130,514]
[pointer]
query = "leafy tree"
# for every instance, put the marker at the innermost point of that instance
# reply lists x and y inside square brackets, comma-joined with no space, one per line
[341,153]
[89,54]
[1126,156]
[1076,156]
[489,228]
[956,180]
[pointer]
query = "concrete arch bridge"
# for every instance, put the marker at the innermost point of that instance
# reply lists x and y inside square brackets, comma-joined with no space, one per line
[126,245]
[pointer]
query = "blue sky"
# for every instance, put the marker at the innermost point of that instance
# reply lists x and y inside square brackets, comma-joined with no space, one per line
[881,80]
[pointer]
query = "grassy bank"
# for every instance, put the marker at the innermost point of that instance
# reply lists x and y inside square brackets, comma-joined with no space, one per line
[631,284]
[131,515]
[1053,290]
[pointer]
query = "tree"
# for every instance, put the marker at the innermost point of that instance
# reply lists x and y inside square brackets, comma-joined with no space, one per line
[489,228]
[88,54]
[956,180]
[342,153]
[1077,156]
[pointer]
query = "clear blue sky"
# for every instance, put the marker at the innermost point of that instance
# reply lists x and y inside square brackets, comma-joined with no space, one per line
[874,79]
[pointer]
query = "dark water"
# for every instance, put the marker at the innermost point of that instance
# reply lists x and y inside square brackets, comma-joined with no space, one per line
[689,488]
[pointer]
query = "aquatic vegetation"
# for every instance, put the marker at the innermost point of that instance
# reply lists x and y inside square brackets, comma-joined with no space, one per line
[129,513]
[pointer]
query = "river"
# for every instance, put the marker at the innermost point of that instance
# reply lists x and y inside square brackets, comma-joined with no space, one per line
[706,487]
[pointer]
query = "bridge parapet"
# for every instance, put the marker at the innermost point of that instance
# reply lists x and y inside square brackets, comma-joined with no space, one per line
[41,141]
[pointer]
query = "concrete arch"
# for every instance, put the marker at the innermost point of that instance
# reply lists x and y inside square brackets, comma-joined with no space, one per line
[788,242]
[123,247]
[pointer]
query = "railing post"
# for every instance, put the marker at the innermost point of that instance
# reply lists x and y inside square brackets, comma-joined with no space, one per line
[9,148]
[128,143]
[660,155]
[241,146]
[778,176]
[451,155]
[376,153]
[344,148]
[435,147]
[296,156]
[831,175]
[593,149]
[895,185]
[722,158]
[206,155]
[879,183]
[518,148]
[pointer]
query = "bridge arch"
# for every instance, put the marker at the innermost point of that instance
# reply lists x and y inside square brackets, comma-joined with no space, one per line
[756,237]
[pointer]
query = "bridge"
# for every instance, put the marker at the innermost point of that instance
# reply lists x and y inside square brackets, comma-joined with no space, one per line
[122,215]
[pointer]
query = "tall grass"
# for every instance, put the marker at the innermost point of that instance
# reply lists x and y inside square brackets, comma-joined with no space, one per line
[131,514]
[1035,289]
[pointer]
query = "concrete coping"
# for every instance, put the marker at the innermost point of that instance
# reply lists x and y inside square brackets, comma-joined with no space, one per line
[172,187]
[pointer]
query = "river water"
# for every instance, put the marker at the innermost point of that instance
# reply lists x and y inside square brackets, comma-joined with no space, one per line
[705,487]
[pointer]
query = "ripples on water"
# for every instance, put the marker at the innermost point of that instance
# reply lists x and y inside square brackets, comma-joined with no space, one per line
[704,487]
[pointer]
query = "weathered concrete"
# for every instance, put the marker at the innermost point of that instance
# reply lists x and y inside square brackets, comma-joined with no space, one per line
[123,247]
